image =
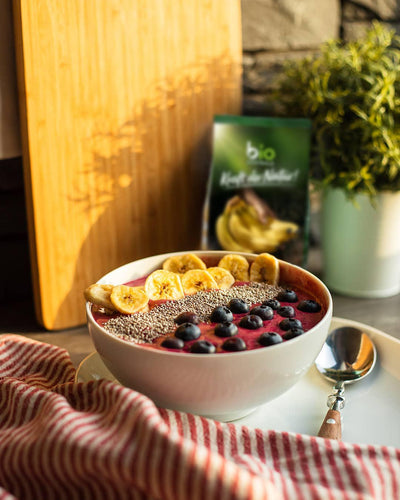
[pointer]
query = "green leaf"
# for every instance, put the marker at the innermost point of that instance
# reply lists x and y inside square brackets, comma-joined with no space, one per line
[351,92]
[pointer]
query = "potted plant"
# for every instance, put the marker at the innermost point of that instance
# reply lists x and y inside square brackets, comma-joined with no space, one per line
[351,92]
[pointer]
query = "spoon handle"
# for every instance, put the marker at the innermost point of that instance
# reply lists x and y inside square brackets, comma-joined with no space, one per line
[331,426]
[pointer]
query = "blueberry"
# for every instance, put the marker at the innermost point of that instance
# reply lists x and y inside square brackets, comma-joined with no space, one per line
[310,306]
[269,338]
[287,296]
[202,347]
[187,331]
[272,303]
[292,333]
[225,329]
[251,322]
[286,311]
[265,312]
[220,314]
[173,343]
[288,323]
[187,317]
[239,306]
[234,344]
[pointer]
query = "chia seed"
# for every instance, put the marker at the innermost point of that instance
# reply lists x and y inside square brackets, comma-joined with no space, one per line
[146,327]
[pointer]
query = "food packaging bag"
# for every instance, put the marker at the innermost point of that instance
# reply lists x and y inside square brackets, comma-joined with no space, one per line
[257,196]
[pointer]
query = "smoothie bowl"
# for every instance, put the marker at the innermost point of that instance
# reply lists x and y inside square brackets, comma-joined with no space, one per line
[212,333]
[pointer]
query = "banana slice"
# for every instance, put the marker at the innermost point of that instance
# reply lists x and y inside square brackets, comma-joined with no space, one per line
[182,263]
[100,295]
[237,265]
[128,299]
[265,269]
[196,280]
[163,285]
[223,277]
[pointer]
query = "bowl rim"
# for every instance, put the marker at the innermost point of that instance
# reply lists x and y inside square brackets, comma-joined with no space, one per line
[188,355]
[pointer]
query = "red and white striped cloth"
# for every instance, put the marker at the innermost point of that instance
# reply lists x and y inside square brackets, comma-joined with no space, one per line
[98,440]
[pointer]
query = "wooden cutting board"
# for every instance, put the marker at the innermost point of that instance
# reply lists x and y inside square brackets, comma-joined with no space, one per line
[117,103]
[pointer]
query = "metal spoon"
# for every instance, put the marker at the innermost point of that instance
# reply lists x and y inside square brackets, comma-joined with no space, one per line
[347,355]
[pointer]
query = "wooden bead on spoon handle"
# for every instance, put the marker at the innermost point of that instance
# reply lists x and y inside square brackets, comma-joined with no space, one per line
[331,426]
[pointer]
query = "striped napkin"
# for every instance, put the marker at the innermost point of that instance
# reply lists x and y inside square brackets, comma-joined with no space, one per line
[65,440]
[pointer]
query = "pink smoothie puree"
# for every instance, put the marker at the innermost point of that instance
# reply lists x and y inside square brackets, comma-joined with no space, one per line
[121,325]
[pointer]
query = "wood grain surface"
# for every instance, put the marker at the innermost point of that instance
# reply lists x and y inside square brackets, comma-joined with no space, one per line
[117,101]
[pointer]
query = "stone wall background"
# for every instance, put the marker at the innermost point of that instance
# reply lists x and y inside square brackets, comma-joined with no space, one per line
[276,30]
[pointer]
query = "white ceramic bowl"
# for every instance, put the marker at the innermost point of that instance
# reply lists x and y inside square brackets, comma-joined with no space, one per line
[221,386]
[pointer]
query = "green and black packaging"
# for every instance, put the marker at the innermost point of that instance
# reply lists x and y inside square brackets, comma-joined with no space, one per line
[257,197]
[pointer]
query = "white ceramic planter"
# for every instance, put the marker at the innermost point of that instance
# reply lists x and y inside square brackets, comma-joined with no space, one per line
[361,245]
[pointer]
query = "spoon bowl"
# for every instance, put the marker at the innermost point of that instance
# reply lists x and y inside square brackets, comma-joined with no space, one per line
[347,355]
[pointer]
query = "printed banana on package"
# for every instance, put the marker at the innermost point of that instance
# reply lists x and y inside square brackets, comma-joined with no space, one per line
[257,196]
